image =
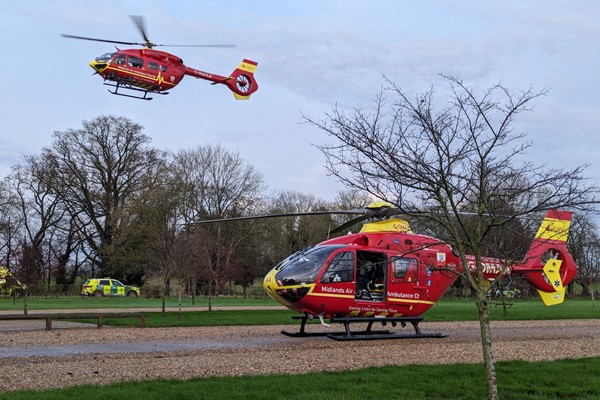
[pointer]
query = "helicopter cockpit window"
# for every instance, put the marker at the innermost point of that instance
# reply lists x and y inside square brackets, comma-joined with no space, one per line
[120,60]
[341,268]
[304,266]
[106,57]
[135,62]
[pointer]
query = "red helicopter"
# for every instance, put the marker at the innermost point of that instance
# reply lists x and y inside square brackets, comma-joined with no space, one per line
[153,71]
[388,274]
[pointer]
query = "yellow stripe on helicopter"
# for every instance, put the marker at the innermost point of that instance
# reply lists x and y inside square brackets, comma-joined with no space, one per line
[554,229]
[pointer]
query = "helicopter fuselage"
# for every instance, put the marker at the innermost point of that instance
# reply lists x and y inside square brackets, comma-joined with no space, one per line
[364,275]
[149,69]
[387,271]
[156,71]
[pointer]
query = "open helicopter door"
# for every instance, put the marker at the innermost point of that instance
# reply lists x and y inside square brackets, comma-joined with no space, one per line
[371,273]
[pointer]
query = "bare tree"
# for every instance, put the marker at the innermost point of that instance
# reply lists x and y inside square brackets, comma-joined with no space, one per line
[10,224]
[216,183]
[585,247]
[290,234]
[435,163]
[100,168]
[33,183]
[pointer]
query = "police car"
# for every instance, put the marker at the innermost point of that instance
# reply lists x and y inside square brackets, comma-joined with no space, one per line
[108,287]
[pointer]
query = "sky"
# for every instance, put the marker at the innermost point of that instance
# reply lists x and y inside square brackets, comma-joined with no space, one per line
[312,55]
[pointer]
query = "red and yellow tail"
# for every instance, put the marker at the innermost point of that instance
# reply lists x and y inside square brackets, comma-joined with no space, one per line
[548,265]
[241,81]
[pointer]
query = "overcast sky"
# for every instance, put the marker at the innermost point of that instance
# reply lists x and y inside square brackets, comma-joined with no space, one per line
[311,55]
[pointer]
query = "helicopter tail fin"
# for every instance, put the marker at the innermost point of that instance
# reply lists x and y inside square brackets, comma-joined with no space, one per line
[241,81]
[548,265]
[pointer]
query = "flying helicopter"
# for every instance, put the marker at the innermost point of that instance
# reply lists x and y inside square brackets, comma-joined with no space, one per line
[147,71]
[387,274]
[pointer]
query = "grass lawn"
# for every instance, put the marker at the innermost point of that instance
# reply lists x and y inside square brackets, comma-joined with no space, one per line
[80,302]
[566,379]
[444,310]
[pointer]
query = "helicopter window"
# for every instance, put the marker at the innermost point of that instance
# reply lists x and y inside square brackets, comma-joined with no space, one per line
[404,269]
[341,268]
[163,68]
[152,65]
[120,60]
[106,57]
[135,62]
[304,266]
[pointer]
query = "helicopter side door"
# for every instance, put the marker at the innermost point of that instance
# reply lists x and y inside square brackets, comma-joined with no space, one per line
[403,280]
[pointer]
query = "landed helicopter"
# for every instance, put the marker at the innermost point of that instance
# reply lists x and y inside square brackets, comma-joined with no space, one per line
[148,71]
[388,274]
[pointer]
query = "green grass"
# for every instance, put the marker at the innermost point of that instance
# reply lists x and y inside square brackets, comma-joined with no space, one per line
[203,318]
[565,379]
[534,309]
[445,310]
[63,303]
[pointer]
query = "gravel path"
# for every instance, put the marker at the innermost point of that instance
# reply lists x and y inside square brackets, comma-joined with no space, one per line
[65,357]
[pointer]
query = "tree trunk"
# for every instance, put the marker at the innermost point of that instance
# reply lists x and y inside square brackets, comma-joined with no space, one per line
[210,284]
[194,287]
[488,352]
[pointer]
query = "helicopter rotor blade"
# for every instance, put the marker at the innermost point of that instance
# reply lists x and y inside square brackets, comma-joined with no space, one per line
[138,20]
[281,215]
[349,224]
[196,45]
[100,40]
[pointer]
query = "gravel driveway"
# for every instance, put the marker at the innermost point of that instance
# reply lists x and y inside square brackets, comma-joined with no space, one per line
[65,357]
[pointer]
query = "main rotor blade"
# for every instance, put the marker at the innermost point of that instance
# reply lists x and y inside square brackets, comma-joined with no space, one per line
[138,20]
[298,214]
[101,40]
[196,45]
[350,223]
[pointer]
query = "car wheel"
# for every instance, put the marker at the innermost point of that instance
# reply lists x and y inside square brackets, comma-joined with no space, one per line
[132,293]
[98,293]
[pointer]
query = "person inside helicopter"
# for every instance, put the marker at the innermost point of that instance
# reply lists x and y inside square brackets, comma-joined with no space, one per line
[370,277]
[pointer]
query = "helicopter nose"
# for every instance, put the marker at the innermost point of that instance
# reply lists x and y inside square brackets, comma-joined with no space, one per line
[98,66]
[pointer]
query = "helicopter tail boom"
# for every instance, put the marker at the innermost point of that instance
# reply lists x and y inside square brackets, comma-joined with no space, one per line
[548,265]
[241,81]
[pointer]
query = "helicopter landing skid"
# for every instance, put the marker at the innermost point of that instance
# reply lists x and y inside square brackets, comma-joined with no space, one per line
[128,86]
[368,333]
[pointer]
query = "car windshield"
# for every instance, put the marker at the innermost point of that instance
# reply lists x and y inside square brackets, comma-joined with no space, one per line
[304,266]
